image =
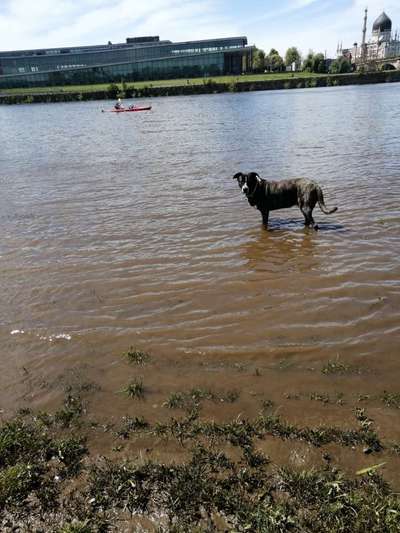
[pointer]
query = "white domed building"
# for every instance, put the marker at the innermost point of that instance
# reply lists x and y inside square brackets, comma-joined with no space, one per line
[383,43]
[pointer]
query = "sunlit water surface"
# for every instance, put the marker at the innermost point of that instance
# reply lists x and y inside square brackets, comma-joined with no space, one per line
[128,229]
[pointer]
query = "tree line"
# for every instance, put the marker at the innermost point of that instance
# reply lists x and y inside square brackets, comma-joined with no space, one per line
[274,62]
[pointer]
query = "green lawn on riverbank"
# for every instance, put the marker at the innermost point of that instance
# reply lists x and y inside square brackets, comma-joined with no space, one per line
[164,83]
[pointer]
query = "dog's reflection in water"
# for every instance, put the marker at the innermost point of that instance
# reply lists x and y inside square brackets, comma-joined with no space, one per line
[279,252]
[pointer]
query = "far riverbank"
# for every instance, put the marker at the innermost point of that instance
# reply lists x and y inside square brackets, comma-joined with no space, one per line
[193,86]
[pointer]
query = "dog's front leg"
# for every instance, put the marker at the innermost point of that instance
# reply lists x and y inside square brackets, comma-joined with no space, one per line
[265,215]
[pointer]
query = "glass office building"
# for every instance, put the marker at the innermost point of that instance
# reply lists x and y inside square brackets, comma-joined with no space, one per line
[139,58]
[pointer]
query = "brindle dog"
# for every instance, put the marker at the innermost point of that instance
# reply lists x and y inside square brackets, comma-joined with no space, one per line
[267,196]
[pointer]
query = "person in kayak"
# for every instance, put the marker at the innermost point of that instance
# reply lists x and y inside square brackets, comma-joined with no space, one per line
[118,104]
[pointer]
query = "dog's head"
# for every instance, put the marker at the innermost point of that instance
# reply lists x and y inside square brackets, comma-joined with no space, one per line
[248,183]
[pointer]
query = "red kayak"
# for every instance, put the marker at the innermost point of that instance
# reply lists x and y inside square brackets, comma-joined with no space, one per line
[128,109]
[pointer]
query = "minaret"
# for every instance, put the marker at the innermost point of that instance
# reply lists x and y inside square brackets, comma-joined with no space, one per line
[363,45]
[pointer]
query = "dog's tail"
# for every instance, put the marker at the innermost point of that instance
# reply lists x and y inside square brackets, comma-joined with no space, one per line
[321,203]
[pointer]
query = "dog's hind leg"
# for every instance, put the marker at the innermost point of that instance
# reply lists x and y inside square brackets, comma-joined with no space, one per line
[265,215]
[309,221]
[306,201]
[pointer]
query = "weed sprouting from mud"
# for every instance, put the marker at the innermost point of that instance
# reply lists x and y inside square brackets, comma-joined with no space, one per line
[77,527]
[338,367]
[391,399]
[267,405]
[131,425]
[70,412]
[136,357]
[135,389]
[191,400]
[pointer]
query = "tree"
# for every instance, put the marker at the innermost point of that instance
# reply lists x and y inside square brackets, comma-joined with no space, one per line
[273,61]
[293,56]
[258,60]
[341,65]
[319,63]
[308,61]
[314,63]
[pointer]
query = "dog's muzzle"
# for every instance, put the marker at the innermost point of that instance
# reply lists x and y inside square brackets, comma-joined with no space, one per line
[245,190]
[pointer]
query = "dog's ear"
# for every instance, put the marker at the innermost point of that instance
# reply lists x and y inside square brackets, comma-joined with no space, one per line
[237,175]
[254,175]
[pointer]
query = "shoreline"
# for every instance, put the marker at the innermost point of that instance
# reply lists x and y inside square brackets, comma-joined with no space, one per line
[209,86]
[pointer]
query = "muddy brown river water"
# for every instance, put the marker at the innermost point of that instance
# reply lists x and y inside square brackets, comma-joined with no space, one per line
[129,230]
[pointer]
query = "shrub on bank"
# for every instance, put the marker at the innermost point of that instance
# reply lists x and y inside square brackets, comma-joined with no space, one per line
[112,90]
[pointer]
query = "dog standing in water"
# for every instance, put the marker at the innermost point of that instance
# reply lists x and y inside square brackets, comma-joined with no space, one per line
[268,196]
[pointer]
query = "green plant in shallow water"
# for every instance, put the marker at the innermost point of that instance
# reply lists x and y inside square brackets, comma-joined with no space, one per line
[338,367]
[134,389]
[137,357]
[131,425]
[191,400]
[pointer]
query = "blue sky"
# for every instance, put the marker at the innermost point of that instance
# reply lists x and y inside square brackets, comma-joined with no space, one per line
[307,24]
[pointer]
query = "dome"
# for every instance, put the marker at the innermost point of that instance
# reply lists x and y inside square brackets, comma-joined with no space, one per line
[382,23]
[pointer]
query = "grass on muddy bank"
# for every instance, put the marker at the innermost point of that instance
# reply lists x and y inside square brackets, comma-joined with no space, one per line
[221,480]
[50,482]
